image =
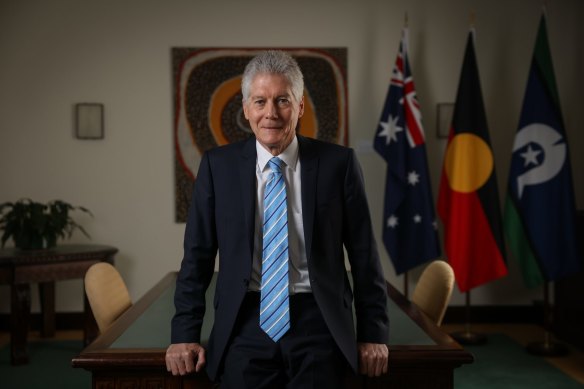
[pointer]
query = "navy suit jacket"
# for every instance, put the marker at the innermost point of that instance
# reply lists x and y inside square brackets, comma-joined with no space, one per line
[335,213]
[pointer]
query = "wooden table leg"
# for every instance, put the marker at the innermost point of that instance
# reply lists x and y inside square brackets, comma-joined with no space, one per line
[19,323]
[47,297]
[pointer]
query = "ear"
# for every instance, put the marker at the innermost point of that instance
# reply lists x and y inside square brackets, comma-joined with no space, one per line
[301,107]
[244,105]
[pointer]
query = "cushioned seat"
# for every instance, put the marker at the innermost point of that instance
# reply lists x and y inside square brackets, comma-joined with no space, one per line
[434,288]
[107,294]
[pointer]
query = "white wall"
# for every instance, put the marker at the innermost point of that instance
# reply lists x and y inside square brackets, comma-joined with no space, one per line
[54,54]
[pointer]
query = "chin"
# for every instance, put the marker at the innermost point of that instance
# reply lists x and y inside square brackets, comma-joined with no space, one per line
[273,138]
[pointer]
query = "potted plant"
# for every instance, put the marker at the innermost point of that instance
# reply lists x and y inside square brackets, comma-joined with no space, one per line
[34,226]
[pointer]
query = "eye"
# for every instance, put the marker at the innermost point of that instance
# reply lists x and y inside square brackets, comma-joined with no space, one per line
[259,102]
[283,101]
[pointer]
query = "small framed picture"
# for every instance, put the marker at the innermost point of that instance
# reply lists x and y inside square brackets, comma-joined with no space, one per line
[444,119]
[89,121]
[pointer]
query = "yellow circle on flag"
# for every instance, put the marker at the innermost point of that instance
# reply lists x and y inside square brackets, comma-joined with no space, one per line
[468,163]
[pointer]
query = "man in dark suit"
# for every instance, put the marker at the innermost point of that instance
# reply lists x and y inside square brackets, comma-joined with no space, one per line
[283,302]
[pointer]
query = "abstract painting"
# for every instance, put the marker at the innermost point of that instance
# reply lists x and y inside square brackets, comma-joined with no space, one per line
[208,109]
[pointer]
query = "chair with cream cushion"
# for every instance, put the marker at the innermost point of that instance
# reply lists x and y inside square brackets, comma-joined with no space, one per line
[107,294]
[434,288]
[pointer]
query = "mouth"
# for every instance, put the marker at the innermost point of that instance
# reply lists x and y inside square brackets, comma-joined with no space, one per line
[272,128]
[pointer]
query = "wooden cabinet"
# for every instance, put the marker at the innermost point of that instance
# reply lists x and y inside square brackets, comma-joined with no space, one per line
[20,268]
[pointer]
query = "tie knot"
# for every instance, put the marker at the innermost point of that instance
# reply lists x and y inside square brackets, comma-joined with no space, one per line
[276,165]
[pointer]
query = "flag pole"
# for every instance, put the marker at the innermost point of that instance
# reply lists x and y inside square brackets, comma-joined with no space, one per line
[467,336]
[547,347]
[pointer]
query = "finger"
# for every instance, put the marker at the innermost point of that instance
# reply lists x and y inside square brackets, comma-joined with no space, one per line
[376,363]
[363,363]
[189,361]
[379,366]
[189,365]
[201,360]
[371,367]
[384,366]
[181,366]
[172,366]
[372,363]
[366,364]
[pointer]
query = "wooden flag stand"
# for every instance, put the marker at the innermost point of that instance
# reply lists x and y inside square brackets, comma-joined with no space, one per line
[467,336]
[547,348]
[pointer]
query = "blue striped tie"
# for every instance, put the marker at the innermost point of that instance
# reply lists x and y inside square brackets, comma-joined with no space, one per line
[274,313]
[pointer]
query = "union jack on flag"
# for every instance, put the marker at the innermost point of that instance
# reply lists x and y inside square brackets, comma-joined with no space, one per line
[409,223]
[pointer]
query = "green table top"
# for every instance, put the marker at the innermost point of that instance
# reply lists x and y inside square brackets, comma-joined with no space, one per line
[152,328]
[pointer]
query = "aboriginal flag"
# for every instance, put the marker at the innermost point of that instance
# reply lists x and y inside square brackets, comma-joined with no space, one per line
[540,214]
[468,202]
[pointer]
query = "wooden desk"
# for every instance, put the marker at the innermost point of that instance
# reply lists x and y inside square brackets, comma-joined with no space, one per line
[20,268]
[130,353]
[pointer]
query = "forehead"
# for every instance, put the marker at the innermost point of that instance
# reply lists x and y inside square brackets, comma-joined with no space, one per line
[267,83]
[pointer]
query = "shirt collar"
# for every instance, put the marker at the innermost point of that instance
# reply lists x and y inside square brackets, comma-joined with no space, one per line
[289,155]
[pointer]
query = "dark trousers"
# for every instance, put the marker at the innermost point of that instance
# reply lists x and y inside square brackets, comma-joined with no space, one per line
[305,357]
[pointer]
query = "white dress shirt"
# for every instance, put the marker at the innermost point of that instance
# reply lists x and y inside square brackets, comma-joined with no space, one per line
[298,266]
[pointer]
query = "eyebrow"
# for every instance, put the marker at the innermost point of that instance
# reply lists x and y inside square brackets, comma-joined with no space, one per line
[259,96]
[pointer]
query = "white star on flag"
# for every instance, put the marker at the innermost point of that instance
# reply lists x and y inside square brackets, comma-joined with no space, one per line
[392,221]
[413,178]
[417,219]
[390,129]
[530,156]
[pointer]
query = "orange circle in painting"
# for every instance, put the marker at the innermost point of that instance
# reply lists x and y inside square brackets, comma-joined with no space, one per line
[468,163]
[220,97]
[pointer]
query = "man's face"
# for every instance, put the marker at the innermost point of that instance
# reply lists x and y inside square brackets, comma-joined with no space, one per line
[272,111]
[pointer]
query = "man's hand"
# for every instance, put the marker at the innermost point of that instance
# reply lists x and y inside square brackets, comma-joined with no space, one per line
[372,359]
[181,358]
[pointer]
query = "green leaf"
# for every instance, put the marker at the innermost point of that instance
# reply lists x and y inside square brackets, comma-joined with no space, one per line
[33,225]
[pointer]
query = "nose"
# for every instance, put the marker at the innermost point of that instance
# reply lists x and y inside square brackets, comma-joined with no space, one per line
[271,112]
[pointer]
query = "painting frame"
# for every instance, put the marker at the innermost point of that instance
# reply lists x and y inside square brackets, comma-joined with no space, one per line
[89,118]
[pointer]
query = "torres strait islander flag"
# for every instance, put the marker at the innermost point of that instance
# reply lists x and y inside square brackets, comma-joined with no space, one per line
[409,223]
[468,202]
[540,214]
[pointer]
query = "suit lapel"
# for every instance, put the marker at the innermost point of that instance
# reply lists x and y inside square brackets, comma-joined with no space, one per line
[247,179]
[308,174]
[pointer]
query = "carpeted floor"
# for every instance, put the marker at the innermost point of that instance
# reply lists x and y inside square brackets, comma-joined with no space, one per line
[49,367]
[501,363]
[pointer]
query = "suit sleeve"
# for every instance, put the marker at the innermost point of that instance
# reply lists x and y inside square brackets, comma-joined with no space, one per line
[198,264]
[370,292]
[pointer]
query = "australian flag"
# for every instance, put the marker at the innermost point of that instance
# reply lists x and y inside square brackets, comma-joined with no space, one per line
[409,223]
